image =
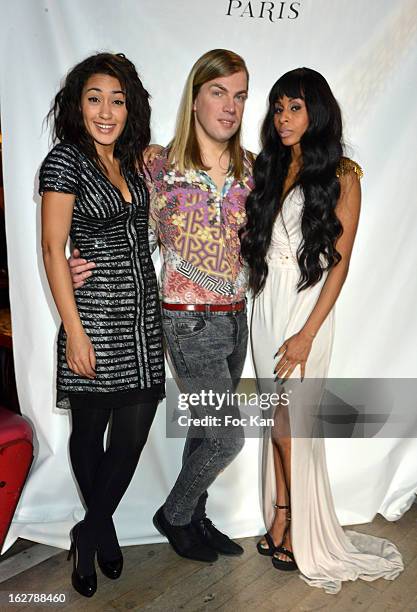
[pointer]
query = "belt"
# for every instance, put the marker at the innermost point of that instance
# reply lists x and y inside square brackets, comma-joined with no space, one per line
[235,307]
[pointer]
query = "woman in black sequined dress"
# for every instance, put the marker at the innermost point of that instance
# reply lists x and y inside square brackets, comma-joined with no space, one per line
[110,356]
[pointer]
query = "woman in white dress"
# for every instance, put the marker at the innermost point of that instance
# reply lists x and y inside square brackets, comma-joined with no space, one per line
[302,220]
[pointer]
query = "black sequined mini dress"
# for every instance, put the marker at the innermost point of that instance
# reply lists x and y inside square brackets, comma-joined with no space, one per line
[118,305]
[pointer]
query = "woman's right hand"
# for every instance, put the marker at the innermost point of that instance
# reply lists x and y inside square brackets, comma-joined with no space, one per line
[80,355]
[151,152]
[80,269]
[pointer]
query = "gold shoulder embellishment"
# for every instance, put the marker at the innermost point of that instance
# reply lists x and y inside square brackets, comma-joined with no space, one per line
[347,165]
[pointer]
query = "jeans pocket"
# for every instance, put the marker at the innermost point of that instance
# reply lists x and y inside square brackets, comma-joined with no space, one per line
[188,327]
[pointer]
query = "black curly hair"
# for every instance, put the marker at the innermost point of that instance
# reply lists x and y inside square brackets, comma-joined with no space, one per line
[321,151]
[68,120]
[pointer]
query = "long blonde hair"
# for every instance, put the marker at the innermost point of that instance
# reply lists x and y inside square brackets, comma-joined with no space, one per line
[184,150]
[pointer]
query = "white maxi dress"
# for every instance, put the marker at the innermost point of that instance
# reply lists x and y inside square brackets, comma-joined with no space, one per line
[325,553]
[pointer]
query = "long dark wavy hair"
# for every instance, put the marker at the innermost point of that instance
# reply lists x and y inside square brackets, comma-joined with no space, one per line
[321,151]
[67,115]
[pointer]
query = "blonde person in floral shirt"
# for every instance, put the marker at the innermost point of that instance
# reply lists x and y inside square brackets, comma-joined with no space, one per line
[198,191]
[197,225]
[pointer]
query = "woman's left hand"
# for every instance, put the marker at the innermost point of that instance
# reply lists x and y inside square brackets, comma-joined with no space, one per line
[294,351]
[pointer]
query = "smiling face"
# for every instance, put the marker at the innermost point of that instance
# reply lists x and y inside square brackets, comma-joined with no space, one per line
[291,120]
[218,107]
[103,106]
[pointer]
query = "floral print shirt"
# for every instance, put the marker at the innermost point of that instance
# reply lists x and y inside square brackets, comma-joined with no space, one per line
[197,227]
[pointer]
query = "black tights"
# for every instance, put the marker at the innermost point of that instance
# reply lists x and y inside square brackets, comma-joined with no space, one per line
[104,475]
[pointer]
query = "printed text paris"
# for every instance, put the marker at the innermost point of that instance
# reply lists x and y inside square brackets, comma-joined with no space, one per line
[263,10]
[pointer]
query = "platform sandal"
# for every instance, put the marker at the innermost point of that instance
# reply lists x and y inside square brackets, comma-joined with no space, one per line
[285,565]
[270,548]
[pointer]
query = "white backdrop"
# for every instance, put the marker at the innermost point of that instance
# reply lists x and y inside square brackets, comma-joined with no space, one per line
[368,53]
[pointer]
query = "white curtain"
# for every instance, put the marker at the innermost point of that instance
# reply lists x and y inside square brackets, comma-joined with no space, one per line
[368,53]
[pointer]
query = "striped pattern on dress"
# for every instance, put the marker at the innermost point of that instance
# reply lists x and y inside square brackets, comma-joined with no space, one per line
[118,305]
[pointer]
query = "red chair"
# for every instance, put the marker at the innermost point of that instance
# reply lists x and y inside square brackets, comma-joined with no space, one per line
[16,456]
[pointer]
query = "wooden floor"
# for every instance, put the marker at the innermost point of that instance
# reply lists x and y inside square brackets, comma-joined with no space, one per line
[155,579]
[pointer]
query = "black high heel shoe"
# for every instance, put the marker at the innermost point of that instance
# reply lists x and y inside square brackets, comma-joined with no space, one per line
[283,564]
[271,548]
[108,546]
[111,569]
[85,585]
[289,564]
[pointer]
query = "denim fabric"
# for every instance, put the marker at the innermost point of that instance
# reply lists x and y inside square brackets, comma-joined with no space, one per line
[209,347]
